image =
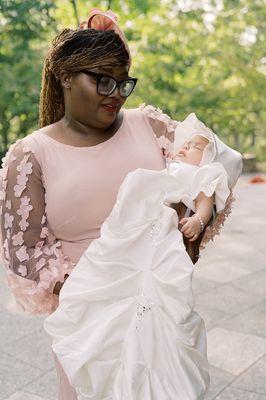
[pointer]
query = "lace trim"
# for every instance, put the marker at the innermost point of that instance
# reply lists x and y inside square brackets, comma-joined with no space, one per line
[164,143]
[157,114]
[214,229]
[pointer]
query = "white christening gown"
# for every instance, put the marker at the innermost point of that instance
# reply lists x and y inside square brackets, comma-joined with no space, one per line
[125,328]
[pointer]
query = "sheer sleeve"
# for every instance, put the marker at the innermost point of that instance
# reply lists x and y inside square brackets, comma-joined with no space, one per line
[32,256]
[163,127]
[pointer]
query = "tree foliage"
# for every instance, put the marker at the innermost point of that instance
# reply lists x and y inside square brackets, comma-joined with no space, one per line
[207,57]
[24,26]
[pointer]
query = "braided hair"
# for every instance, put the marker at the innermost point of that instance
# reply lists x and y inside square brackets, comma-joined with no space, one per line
[74,51]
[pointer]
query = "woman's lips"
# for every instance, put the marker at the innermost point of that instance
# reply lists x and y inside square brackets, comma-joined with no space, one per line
[110,108]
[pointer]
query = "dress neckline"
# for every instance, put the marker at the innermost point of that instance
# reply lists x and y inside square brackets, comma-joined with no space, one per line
[96,146]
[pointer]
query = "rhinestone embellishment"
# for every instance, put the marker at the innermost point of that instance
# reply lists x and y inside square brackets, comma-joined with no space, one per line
[155,228]
[141,308]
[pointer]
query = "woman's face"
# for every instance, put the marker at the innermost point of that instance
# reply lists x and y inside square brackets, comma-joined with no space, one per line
[85,105]
[192,150]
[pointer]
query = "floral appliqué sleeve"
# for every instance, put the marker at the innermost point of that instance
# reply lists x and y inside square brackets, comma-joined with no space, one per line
[31,254]
[163,128]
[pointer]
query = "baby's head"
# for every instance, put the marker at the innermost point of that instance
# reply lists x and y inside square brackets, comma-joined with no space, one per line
[192,150]
[213,149]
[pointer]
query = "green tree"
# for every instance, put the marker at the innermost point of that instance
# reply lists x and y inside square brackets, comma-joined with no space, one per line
[24,27]
[215,69]
[189,56]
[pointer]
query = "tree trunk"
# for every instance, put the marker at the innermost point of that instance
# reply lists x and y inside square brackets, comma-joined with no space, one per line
[4,134]
[75,8]
[253,139]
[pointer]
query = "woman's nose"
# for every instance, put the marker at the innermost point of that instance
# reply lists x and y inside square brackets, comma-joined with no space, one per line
[116,93]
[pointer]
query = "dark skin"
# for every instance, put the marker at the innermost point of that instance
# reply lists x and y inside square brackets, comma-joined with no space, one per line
[86,122]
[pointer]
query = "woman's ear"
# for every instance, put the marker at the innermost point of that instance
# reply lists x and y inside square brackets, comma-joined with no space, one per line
[66,79]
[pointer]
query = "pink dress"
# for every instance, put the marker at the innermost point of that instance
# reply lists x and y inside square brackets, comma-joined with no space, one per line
[55,197]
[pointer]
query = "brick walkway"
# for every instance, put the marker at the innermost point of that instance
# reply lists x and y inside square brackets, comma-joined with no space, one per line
[230,294]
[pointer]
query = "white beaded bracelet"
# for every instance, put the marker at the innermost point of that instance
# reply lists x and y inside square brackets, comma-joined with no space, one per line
[201,222]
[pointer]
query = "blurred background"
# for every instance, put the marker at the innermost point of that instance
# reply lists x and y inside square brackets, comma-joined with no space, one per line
[202,56]
[206,56]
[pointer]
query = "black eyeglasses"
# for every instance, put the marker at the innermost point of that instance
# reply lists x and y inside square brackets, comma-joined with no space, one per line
[106,84]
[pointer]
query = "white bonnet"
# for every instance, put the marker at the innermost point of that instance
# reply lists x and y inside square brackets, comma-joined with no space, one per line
[216,150]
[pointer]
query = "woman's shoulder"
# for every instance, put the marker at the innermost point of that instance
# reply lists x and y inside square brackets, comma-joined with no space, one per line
[161,124]
[23,149]
[31,142]
[152,113]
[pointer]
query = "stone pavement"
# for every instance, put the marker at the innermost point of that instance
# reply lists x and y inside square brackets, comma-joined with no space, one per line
[230,294]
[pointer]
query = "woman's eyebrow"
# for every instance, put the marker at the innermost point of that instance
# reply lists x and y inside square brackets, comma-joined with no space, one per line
[109,72]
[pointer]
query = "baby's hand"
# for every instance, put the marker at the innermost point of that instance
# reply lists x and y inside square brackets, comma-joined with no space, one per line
[191,227]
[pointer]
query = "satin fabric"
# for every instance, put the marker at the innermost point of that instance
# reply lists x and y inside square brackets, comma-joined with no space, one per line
[110,346]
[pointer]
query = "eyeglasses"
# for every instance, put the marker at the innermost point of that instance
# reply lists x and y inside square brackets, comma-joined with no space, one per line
[106,84]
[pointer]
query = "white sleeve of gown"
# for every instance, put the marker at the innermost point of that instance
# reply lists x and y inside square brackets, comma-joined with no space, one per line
[209,179]
[191,180]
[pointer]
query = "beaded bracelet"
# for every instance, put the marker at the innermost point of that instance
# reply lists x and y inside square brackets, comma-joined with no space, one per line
[201,222]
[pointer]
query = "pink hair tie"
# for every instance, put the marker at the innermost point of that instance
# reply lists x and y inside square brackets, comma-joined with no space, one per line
[105,21]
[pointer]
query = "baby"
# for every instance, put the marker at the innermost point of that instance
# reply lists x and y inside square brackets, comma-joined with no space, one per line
[191,152]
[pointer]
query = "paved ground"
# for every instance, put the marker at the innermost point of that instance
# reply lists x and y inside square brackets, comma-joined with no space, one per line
[230,294]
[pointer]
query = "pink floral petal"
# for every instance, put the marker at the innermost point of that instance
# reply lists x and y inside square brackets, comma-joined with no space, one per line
[39,244]
[6,249]
[12,157]
[18,189]
[47,251]
[22,180]
[23,225]
[37,252]
[24,209]
[8,220]
[40,264]
[214,229]
[2,195]
[25,168]
[8,204]
[25,201]
[27,149]
[22,254]
[18,239]
[22,269]
[44,232]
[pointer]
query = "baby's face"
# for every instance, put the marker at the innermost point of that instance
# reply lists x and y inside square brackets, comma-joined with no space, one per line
[192,151]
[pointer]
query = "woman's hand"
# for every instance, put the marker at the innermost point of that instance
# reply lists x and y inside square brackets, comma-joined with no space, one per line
[191,227]
[58,285]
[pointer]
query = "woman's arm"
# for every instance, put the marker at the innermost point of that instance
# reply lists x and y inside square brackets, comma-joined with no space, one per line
[162,126]
[32,255]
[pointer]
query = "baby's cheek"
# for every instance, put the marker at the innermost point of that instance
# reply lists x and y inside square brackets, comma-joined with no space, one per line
[195,158]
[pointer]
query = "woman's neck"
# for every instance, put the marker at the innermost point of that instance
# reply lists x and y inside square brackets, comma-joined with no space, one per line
[72,132]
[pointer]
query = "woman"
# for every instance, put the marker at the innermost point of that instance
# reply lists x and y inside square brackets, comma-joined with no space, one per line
[60,182]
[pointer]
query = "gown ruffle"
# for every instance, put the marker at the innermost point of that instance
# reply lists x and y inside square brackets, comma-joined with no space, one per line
[125,328]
